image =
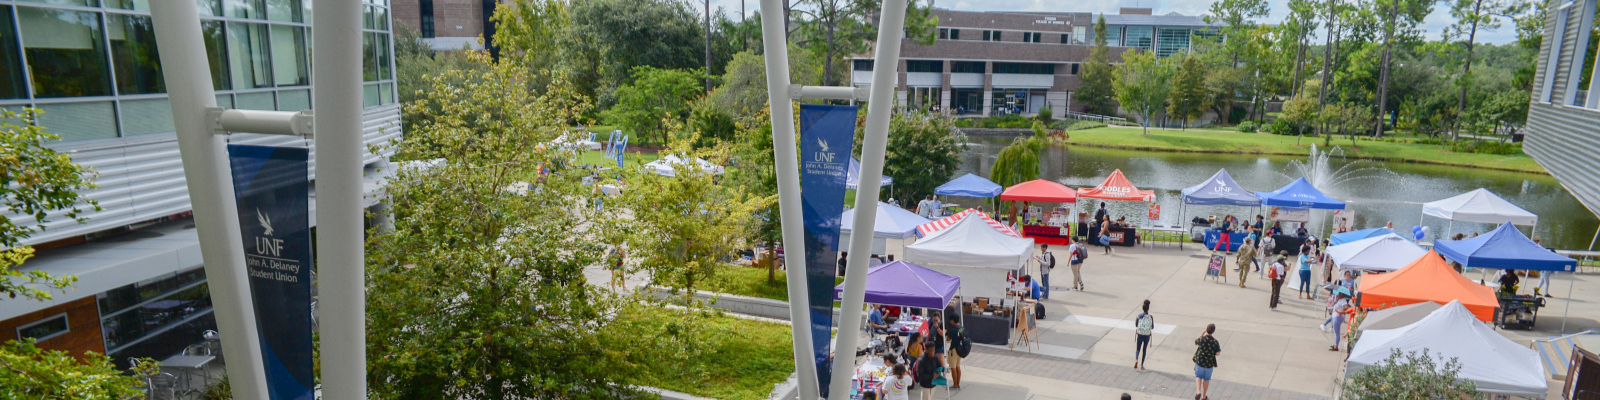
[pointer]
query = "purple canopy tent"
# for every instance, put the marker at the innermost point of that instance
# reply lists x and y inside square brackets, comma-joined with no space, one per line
[905,284]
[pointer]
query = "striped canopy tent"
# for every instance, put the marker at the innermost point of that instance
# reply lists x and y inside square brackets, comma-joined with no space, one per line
[946,222]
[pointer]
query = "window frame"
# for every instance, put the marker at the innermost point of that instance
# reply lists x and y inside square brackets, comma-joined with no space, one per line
[66,324]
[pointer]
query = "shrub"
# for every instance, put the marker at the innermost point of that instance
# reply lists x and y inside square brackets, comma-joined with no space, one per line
[1486,147]
[1248,126]
[1046,115]
[1278,127]
[1081,125]
[1410,376]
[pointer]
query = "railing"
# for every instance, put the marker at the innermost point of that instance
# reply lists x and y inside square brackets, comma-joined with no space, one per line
[1108,120]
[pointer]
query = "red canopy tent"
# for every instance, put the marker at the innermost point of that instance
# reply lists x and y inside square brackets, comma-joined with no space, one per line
[1040,190]
[1429,278]
[1117,187]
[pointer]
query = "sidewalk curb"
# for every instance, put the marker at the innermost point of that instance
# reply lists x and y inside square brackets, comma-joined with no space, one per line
[760,307]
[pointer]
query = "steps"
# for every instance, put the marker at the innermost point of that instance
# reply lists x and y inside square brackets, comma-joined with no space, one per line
[1555,353]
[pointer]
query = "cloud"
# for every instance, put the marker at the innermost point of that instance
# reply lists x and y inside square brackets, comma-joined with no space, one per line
[1434,25]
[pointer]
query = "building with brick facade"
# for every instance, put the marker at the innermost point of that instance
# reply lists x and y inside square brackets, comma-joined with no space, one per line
[992,63]
[448,24]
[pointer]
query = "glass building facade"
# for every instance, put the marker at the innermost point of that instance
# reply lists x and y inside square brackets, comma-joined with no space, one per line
[92,67]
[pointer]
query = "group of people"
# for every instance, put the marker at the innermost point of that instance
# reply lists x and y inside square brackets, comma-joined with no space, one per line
[1205,353]
[930,208]
[922,360]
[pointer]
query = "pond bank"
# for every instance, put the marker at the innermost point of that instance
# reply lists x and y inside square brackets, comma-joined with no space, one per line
[1224,142]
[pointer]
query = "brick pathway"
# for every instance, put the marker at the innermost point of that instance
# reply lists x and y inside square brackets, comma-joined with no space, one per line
[1120,377]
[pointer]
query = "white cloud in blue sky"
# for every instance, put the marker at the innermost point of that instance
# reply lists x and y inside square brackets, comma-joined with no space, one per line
[1434,25]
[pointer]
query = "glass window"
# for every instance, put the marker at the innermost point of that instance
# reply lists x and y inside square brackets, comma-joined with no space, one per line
[367,18]
[247,55]
[289,56]
[284,10]
[387,91]
[133,54]
[1066,38]
[207,8]
[1172,40]
[426,9]
[924,66]
[250,9]
[216,49]
[369,95]
[66,52]
[1078,33]
[382,18]
[369,61]
[955,34]
[1138,36]
[79,121]
[862,65]
[967,67]
[256,101]
[13,83]
[384,61]
[1024,68]
[294,100]
[225,100]
[1113,36]
[81,3]
[44,329]
[146,116]
[139,5]
[944,33]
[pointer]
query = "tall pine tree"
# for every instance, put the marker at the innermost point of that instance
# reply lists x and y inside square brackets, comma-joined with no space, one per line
[1189,95]
[1096,94]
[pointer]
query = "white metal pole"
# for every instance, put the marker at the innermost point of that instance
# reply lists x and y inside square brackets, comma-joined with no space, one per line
[1572,279]
[206,171]
[336,99]
[880,103]
[787,163]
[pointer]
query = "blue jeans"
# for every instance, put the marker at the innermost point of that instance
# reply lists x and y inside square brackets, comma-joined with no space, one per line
[1305,281]
[1044,282]
[1202,372]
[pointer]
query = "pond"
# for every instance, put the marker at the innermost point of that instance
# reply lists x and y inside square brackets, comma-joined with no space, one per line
[1375,196]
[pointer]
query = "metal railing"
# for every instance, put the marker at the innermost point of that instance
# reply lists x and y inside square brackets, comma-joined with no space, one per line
[1105,119]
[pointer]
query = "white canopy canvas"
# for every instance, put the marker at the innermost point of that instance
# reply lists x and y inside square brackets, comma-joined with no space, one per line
[891,223]
[1479,206]
[1398,316]
[664,166]
[1381,253]
[974,251]
[1498,365]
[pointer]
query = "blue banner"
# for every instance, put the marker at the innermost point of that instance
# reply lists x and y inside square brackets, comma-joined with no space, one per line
[271,187]
[827,134]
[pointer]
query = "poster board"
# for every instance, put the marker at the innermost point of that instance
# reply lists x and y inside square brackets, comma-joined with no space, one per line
[1291,214]
[1027,325]
[1214,269]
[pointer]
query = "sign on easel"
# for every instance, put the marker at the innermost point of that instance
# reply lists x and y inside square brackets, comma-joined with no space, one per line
[1027,325]
[1214,269]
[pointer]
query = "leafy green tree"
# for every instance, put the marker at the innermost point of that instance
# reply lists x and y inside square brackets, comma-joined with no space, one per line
[40,183]
[1410,376]
[1189,97]
[532,27]
[477,291]
[1530,34]
[655,97]
[1237,18]
[1143,84]
[1096,92]
[924,151]
[1472,15]
[693,222]
[607,39]
[744,86]
[28,372]
[1019,162]
[711,125]
[1400,20]
[838,28]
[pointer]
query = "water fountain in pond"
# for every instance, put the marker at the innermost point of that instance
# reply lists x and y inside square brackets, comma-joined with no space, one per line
[1321,171]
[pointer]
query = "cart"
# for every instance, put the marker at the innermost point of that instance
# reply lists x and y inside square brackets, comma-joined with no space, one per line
[1519,312]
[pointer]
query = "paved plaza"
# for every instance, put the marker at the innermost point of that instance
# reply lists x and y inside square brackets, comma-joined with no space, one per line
[1087,341]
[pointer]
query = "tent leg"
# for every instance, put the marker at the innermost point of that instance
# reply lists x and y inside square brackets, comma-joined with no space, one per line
[1591,240]
[1571,281]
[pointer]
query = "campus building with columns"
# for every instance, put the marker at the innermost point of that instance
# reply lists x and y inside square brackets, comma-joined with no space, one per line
[994,63]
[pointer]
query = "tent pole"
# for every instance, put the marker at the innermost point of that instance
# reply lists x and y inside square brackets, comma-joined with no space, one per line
[1571,281]
[1596,236]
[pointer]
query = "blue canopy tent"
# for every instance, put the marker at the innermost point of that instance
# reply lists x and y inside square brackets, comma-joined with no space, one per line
[1299,194]
[1507,248]
[1218,190]
[1347,237]
[853,175]
[969,185]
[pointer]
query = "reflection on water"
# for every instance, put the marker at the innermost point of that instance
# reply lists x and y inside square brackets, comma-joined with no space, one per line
[1564,222]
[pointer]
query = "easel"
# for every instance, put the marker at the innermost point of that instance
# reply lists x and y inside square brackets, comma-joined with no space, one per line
[1218,262]
[1027,326]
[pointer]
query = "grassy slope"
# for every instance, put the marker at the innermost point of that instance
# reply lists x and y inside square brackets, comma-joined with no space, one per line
[630,158]
[752,282]
[743,359]
[1262,143]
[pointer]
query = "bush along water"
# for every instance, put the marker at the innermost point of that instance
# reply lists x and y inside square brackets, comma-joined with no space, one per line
[1248,126]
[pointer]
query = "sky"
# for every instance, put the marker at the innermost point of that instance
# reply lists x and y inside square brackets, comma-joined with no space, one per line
[1434,25]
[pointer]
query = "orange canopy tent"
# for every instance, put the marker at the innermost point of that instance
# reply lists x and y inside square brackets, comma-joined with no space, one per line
[1429,278]
[1117,187]
[1039,190]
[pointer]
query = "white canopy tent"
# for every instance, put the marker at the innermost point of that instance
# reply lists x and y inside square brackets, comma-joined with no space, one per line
[1382,253]
[974,251]
[892,223]
[1479,205]
[1498,365]
[1398,316]
[665,165]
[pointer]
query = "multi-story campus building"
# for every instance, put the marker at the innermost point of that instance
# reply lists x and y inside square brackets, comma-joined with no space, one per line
[448,24]
[92,68]
[1561,131]
[986,63]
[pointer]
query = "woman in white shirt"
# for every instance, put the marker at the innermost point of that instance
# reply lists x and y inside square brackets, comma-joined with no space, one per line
[896,386]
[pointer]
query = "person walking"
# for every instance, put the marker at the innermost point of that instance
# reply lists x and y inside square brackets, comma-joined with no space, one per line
[1267,246]
[1105,235]
[926,370]
[1341,307]
[896,386]
[618,274]
[1276,274]
[960,345]
[925,207]
[1077,253]
[843,255]
[1047,263]
[1143,325]
[1304,285]
[1246,258]
[1205,361]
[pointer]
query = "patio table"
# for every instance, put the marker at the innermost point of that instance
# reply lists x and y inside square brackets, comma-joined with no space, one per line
[189,365]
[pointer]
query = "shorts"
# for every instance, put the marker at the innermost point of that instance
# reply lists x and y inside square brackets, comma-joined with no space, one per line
[954,360]
[1202,372]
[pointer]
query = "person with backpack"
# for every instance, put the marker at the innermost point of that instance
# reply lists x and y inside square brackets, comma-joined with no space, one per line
[1047,262]
[1276,274]
[960,345]
[1078,253]
[1266,247]
[926,371]
[1143,325]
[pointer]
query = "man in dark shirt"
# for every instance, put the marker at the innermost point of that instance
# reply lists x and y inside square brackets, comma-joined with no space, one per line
[842,256]
[1509,281]
[1205,359]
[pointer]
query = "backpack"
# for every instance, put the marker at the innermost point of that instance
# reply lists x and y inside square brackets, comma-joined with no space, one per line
[1272,272]
[960,343]
[1081,254]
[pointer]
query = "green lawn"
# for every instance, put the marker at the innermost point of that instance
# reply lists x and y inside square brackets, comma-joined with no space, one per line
[752,282]
[1195,140]
[741,360]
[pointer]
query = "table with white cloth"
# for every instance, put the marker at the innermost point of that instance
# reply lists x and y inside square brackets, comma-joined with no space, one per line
[869,376]
[906,325]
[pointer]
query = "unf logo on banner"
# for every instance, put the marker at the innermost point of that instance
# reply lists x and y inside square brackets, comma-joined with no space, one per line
[827,134]
[272,192]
